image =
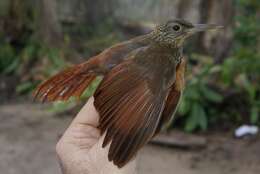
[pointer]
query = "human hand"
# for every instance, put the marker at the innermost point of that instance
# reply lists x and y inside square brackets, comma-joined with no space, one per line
[80,149]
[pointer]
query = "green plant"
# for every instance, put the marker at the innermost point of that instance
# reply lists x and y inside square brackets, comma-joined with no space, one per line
[195,105]
[242,70]
[61,106]
[8,59]
[240,73]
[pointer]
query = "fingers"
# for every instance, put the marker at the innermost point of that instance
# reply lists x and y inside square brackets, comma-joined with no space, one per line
[80,148]
[87,115]
[83,131]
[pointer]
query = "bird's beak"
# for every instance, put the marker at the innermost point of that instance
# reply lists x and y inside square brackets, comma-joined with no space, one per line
[204,27]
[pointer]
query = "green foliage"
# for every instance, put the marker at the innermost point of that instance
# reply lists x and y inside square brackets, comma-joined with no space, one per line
[25,87]
[22,53]
[24,62]
[8,60]
[32,61]
[93,38]
[195,106]
[244,65]
[240,73]
[61,106]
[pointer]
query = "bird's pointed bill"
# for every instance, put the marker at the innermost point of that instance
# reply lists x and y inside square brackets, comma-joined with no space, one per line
[204,27]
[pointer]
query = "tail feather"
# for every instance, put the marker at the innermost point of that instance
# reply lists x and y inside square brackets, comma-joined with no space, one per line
[70,82]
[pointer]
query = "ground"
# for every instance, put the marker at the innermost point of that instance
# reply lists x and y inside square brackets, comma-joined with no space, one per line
[28,134]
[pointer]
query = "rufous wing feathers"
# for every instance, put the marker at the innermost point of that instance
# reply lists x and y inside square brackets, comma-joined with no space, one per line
[70,82]
[129,112]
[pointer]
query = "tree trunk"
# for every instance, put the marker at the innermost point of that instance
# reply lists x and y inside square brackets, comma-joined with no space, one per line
[53,14]
[48,25]
[220,12]
[218,44]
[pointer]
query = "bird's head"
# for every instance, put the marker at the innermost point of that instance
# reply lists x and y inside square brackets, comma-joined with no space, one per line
[174,32]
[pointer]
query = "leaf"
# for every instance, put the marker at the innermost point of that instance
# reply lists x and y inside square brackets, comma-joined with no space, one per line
[184,106]
[215,69]
[203,122]
[29,52]
[57,61]
[12,67]
[25,87]
[91,88]
[197,119]
[192,123]
[211,95]
[192,93]
[254,115]
[61,106]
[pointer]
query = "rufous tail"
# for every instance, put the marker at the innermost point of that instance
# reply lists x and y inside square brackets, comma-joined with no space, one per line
[70,82]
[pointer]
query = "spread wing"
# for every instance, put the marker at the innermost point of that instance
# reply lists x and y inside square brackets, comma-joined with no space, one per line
[74,80]
[173,97]
[130,101]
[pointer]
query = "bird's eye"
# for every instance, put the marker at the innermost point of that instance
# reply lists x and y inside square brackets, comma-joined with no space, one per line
[176,28]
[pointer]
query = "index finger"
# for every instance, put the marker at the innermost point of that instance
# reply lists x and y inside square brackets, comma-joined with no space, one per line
[87,115]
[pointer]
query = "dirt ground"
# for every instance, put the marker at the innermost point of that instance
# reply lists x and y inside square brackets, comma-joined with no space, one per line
[28,135]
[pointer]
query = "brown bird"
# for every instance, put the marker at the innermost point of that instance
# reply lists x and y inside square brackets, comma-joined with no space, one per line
[143,79]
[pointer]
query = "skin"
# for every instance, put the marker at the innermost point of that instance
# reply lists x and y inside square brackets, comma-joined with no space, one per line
[79,150]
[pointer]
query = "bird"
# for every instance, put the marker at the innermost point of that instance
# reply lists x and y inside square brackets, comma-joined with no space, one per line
[142,83]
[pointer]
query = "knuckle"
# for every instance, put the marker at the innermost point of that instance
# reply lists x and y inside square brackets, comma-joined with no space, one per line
[59,147]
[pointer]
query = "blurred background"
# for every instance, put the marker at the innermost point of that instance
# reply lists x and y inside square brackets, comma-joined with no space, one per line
[38,38]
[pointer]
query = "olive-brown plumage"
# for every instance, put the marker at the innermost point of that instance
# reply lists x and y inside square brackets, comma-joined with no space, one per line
[143,79]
